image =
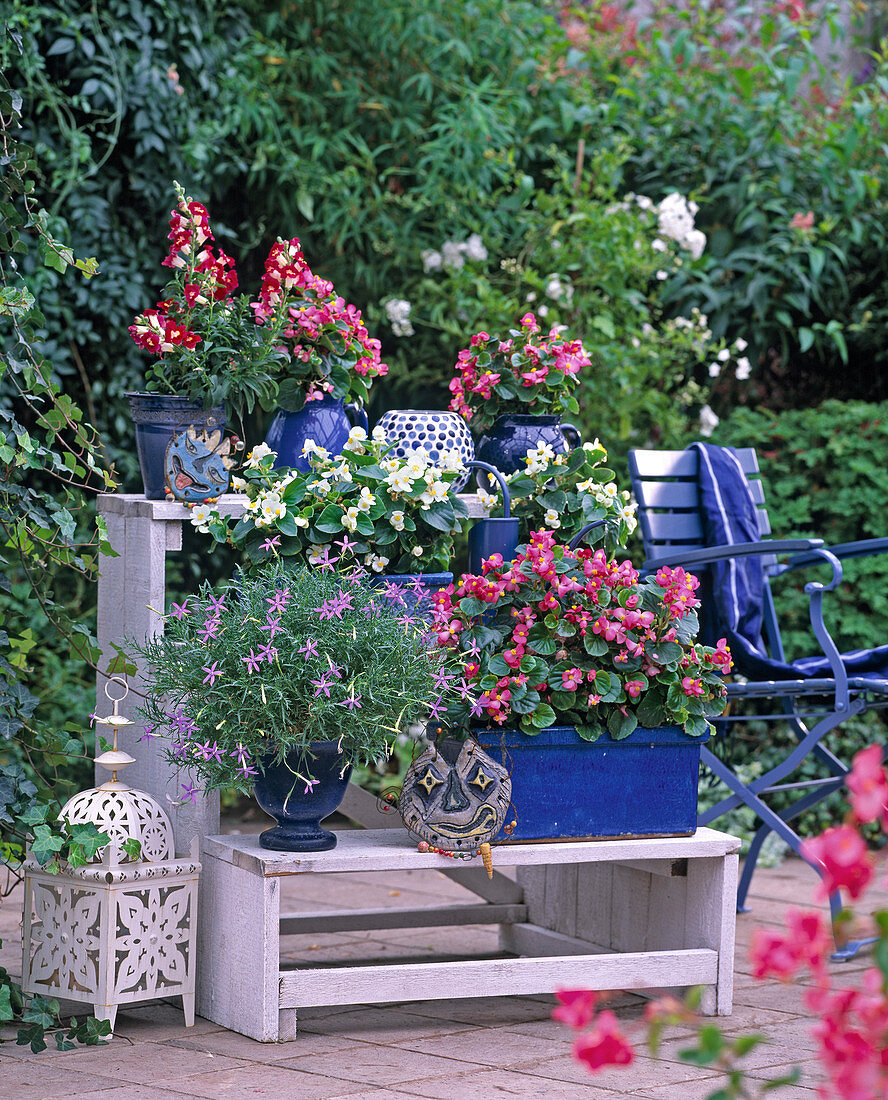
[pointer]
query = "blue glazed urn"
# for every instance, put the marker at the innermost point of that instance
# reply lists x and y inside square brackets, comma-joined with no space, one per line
[297,811]
[157,418]
[506,442]
[327,421]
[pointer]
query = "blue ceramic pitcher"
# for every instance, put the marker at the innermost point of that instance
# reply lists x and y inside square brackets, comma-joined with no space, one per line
[507,441]
[327,422]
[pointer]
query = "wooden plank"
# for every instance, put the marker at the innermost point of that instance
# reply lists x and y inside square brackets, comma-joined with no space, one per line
[389,850]
[536,942]
[685,527]
[239,959]
[678,868]
[494,977]
[710,921]
[428,916]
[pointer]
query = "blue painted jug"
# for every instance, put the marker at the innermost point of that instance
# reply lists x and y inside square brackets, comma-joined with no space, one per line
[507,441]
[327,422]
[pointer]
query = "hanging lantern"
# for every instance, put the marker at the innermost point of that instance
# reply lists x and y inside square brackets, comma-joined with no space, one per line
[122,928]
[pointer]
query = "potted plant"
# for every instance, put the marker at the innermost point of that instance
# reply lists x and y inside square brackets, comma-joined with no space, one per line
[515,391]
[217,354]
[281,685]
[565,492]
[572,652]
[394,516]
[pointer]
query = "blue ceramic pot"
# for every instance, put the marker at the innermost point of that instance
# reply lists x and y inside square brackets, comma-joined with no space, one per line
[507,441]
[327,422]
[299,813]
[158,417]
[566,788]
[416,598]
[434,431]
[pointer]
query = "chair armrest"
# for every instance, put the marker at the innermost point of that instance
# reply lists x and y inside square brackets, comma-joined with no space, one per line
[861,549]
[738,550]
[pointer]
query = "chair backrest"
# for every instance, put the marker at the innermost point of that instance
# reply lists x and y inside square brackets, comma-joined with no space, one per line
[664,484]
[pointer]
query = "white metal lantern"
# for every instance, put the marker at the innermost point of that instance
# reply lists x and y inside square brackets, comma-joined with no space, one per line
[118,930]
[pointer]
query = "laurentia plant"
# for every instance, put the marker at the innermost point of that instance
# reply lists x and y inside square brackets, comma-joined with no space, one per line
[297,343]
[390,514]
[570,637]
[280,660]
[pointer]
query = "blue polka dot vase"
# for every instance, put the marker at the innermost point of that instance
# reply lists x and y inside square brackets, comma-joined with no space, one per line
[437,432]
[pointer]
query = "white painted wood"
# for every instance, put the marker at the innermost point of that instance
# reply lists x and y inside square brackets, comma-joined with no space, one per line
[237,980]
[532,940]
[393,850]
[430,916]
[494,977]
[710,920]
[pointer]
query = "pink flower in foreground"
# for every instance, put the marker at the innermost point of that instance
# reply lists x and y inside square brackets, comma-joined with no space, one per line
[577,1007]
[842,854]
[781,955]
[802,221]
[867,785]
[604,1045]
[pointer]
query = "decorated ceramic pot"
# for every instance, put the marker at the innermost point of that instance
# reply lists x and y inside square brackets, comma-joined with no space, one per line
[436,432]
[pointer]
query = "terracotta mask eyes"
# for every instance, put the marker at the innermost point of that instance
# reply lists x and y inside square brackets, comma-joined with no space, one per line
[455,796]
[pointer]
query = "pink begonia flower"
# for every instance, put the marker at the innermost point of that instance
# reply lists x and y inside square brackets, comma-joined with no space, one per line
[633,688]
[691,687]
[868,785]
[577,1007]
[571,679]
[604,1045]
[842,853]
[802,221]
[781,955]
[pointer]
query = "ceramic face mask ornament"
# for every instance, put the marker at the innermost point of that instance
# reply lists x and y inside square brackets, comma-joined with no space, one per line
[197,465]
[455,796]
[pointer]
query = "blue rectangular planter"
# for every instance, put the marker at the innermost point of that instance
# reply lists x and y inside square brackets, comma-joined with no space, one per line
[566,788]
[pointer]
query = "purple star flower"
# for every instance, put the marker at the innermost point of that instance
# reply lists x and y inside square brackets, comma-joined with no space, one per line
[345,544]
[149,732]
[180,723]
[327,610]
[310,649]
[189,791]
[393,592]
[215,604]
[203,751]
[344,600]
[93,718]
[253,661]
[417,585]
[324,559]
[310,785]
[462,689]
[180,749]
[351,702]
[441,679]
[435,710]
[271,544]
[209,629]
[267,653]
[322,685]
[272,626]
[180,610]
[215,753]
[212,672]
[476,710]
[278,601]
[405,620]
[334,670]
[246,771]
[473,649]
[241,753]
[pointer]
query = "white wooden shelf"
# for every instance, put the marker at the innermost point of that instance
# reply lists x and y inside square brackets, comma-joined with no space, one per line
[614,914]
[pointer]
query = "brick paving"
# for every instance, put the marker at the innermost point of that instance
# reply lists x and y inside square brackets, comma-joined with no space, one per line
[453,1050]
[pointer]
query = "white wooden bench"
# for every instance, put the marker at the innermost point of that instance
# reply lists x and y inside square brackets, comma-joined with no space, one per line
[611,914]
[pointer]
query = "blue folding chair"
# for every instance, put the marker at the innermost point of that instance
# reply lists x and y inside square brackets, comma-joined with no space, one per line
[704,509]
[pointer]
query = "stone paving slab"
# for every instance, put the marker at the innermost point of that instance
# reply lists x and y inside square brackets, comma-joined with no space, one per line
[460,1049]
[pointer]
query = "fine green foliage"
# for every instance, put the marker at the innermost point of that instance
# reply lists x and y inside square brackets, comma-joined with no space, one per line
[393,515]
[278,661]
[569,637]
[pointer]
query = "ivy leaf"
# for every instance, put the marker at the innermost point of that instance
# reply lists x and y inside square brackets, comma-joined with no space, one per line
[45,845]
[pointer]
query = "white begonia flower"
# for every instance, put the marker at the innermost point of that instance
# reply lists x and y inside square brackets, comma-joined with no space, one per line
[723,356]
[627,514]
[350,519]
[273,507]
[743,369]
[606,494]
[659,246]
[595,445]
[300,521]
[398,312]
[262,450]
[417,551]
[438,490]
[643,202]
[431,260]
[714,370]
[474,248]
[377,562]
[396,519]
[315,554]
[426,499]
[530,296]
[358,433]
[543,452]
[341,473]
[740,344]
[708,421]
[200,517]
[391,465]
[451,461]
[552,520]
[452,255]
[586,486]
[366,500]
[400,481]
[554,288]
[489,500]
[321,487]
[378,435]
[417,465]
[254,505]
[238,484]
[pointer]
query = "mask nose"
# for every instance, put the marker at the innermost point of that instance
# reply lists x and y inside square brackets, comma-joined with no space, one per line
[454,796]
